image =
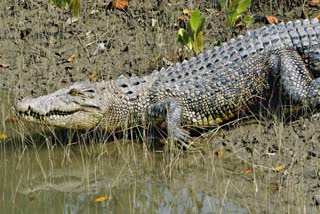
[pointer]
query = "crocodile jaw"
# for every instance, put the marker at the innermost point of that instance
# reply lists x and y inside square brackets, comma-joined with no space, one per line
[75,116]
[62,109]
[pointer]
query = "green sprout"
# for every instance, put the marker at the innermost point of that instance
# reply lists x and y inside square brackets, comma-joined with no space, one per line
[192,37]
[235,12]
[73,5]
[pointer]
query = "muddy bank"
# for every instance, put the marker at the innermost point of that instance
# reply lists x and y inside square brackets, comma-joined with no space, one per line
[36,40]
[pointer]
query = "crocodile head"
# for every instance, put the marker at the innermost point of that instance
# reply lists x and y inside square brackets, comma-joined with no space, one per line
[79,106]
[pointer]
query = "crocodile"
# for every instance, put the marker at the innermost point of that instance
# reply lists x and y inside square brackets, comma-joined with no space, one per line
[204,91]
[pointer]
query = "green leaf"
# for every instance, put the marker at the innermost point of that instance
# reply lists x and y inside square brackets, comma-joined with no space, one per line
[67,3]
[235,17]
[73,5]
[75,8]
[192,37]
[223,5]
[199,43]
[183,37]
[233,5]
[58,3]
[61,3]
[201,25]
[195,24]
[231,18]
[217,43]
[195,20]
[180,33]
[248,19]
[243,6]
[191,32]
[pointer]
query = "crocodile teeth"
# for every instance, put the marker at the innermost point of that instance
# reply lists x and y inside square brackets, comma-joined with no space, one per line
[51,115]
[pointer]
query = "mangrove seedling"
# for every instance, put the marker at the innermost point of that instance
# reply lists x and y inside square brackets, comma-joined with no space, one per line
[235,13]
[73,5]
[192,37]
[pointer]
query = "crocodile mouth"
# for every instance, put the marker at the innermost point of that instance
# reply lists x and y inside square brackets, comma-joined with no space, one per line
[51,115]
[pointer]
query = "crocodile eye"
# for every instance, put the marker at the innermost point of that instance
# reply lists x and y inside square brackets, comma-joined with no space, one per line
[73,92]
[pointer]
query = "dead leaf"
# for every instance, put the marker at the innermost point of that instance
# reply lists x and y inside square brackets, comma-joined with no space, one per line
[120,4]
[94,76]
[71,58]
[31,198]
[102,198]
[314,3]
[272,19]
[219,153]
[155,58]
[279,168]
[274,186]
[3,136]
[11,119]
[318,16]
[170,57]
[1,54]
[217,13]
[187,12]
[248,171]
[5,65]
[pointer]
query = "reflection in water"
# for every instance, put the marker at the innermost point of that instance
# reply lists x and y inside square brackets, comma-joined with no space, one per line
[74,207]
[76,185]
[156,198]
[182,201]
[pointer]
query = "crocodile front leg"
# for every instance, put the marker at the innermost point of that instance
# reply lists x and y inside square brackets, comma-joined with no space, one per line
[172,112]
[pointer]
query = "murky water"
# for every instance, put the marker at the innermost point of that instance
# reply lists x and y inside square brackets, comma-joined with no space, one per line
[56,180]
[52,171]
[44,170]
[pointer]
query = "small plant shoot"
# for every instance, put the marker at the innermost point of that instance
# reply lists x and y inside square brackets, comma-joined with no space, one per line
[73,5]
[192,37]
[235,12]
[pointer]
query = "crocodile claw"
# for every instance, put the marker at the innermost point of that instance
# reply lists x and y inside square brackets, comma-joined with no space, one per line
[181,139]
